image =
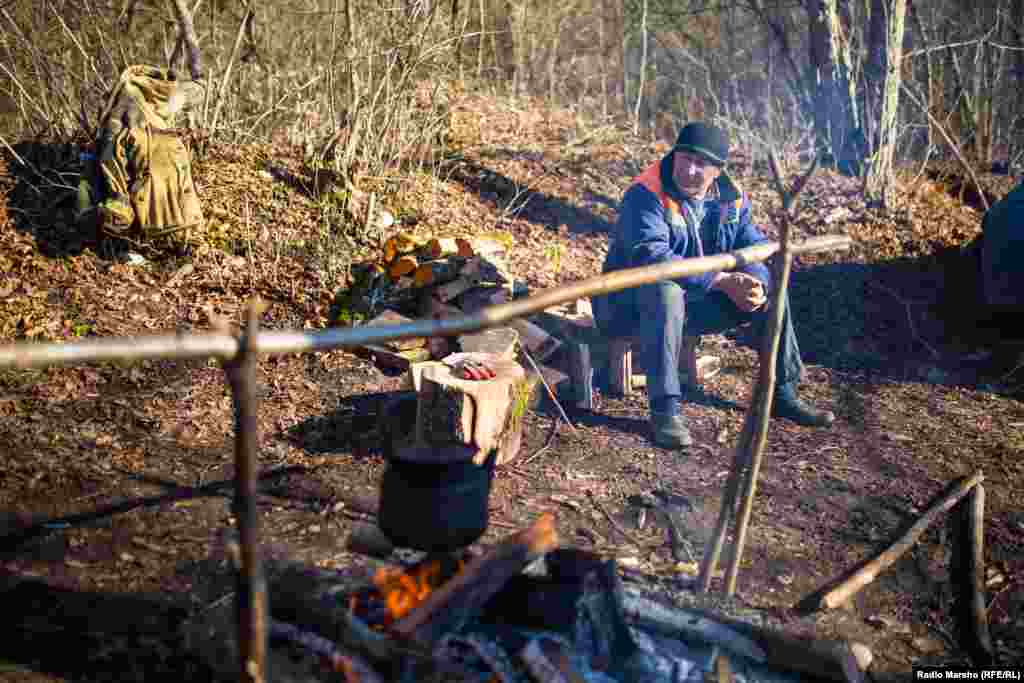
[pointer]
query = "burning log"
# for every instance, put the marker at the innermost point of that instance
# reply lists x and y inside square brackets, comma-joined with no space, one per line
[463,596]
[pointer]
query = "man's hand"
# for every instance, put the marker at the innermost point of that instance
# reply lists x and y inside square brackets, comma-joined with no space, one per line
[746,291]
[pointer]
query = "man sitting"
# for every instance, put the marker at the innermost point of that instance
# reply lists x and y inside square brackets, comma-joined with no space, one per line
[684,206]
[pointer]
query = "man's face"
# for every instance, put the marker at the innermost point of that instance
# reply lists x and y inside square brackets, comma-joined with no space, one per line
[693,173]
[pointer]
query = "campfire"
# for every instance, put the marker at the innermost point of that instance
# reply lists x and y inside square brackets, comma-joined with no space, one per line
[525,610]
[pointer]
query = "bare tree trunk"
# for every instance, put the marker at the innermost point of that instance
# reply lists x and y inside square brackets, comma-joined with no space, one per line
[480,43]
[602,27]
[643,69]
[188,37]
[880,183]
[934,86]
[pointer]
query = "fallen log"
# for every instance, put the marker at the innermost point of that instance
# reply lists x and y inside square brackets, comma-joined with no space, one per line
[464,595]
[871,569]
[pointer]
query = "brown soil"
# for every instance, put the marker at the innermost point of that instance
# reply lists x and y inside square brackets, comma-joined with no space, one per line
[918,404]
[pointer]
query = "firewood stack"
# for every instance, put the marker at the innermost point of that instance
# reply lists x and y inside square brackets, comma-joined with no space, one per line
[436,278]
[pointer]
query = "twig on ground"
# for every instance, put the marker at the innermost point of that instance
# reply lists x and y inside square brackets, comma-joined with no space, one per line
[551,394]
[12,540]
[547,443]
[910,319]
[611,520]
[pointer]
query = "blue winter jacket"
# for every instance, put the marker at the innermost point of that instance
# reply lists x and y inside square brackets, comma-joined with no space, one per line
[652,228]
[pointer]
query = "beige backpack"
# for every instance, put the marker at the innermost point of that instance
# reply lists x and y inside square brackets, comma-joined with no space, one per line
[140,184]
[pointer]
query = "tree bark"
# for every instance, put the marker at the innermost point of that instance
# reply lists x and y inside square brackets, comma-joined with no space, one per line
[880,183]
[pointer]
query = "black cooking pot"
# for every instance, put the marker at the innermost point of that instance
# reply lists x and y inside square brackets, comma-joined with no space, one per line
[435,507]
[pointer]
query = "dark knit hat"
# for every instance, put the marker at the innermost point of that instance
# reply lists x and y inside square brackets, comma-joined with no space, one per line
[706,140]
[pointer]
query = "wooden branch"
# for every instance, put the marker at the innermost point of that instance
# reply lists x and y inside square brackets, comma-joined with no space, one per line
[226,78]
[252,588]
[867,573]
[761,407]
[973,583]
[56,524]
[713,549]
[188,35]
[949,141]
[465,594]
[551,394]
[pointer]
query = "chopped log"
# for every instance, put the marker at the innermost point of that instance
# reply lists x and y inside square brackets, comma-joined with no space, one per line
[497,341]
[402,265]
[438,271]
[482,297]
[397,245]
[581,374]
[450,290]
[569,326]
[538,342]
[396,360]
[463,596]
[470,412]
[494,269]
[439,247]
[390,317]
[369,540]
[479,246]
[621,380]
[413,377]
[432,307]
[707,367]
[869,570]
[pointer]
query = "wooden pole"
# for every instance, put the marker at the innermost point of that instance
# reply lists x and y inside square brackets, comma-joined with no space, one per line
[750,449]
[251,589]
[219,345]
[867,573]
[973,579]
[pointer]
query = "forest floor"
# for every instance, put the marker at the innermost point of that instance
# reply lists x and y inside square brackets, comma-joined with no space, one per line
[920,399]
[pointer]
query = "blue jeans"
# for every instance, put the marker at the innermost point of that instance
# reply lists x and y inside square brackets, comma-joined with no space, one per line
[663,317]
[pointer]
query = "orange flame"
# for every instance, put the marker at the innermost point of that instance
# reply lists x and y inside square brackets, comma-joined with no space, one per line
[404,590]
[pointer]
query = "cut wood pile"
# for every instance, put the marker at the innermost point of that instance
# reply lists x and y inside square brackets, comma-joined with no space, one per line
[431,278]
